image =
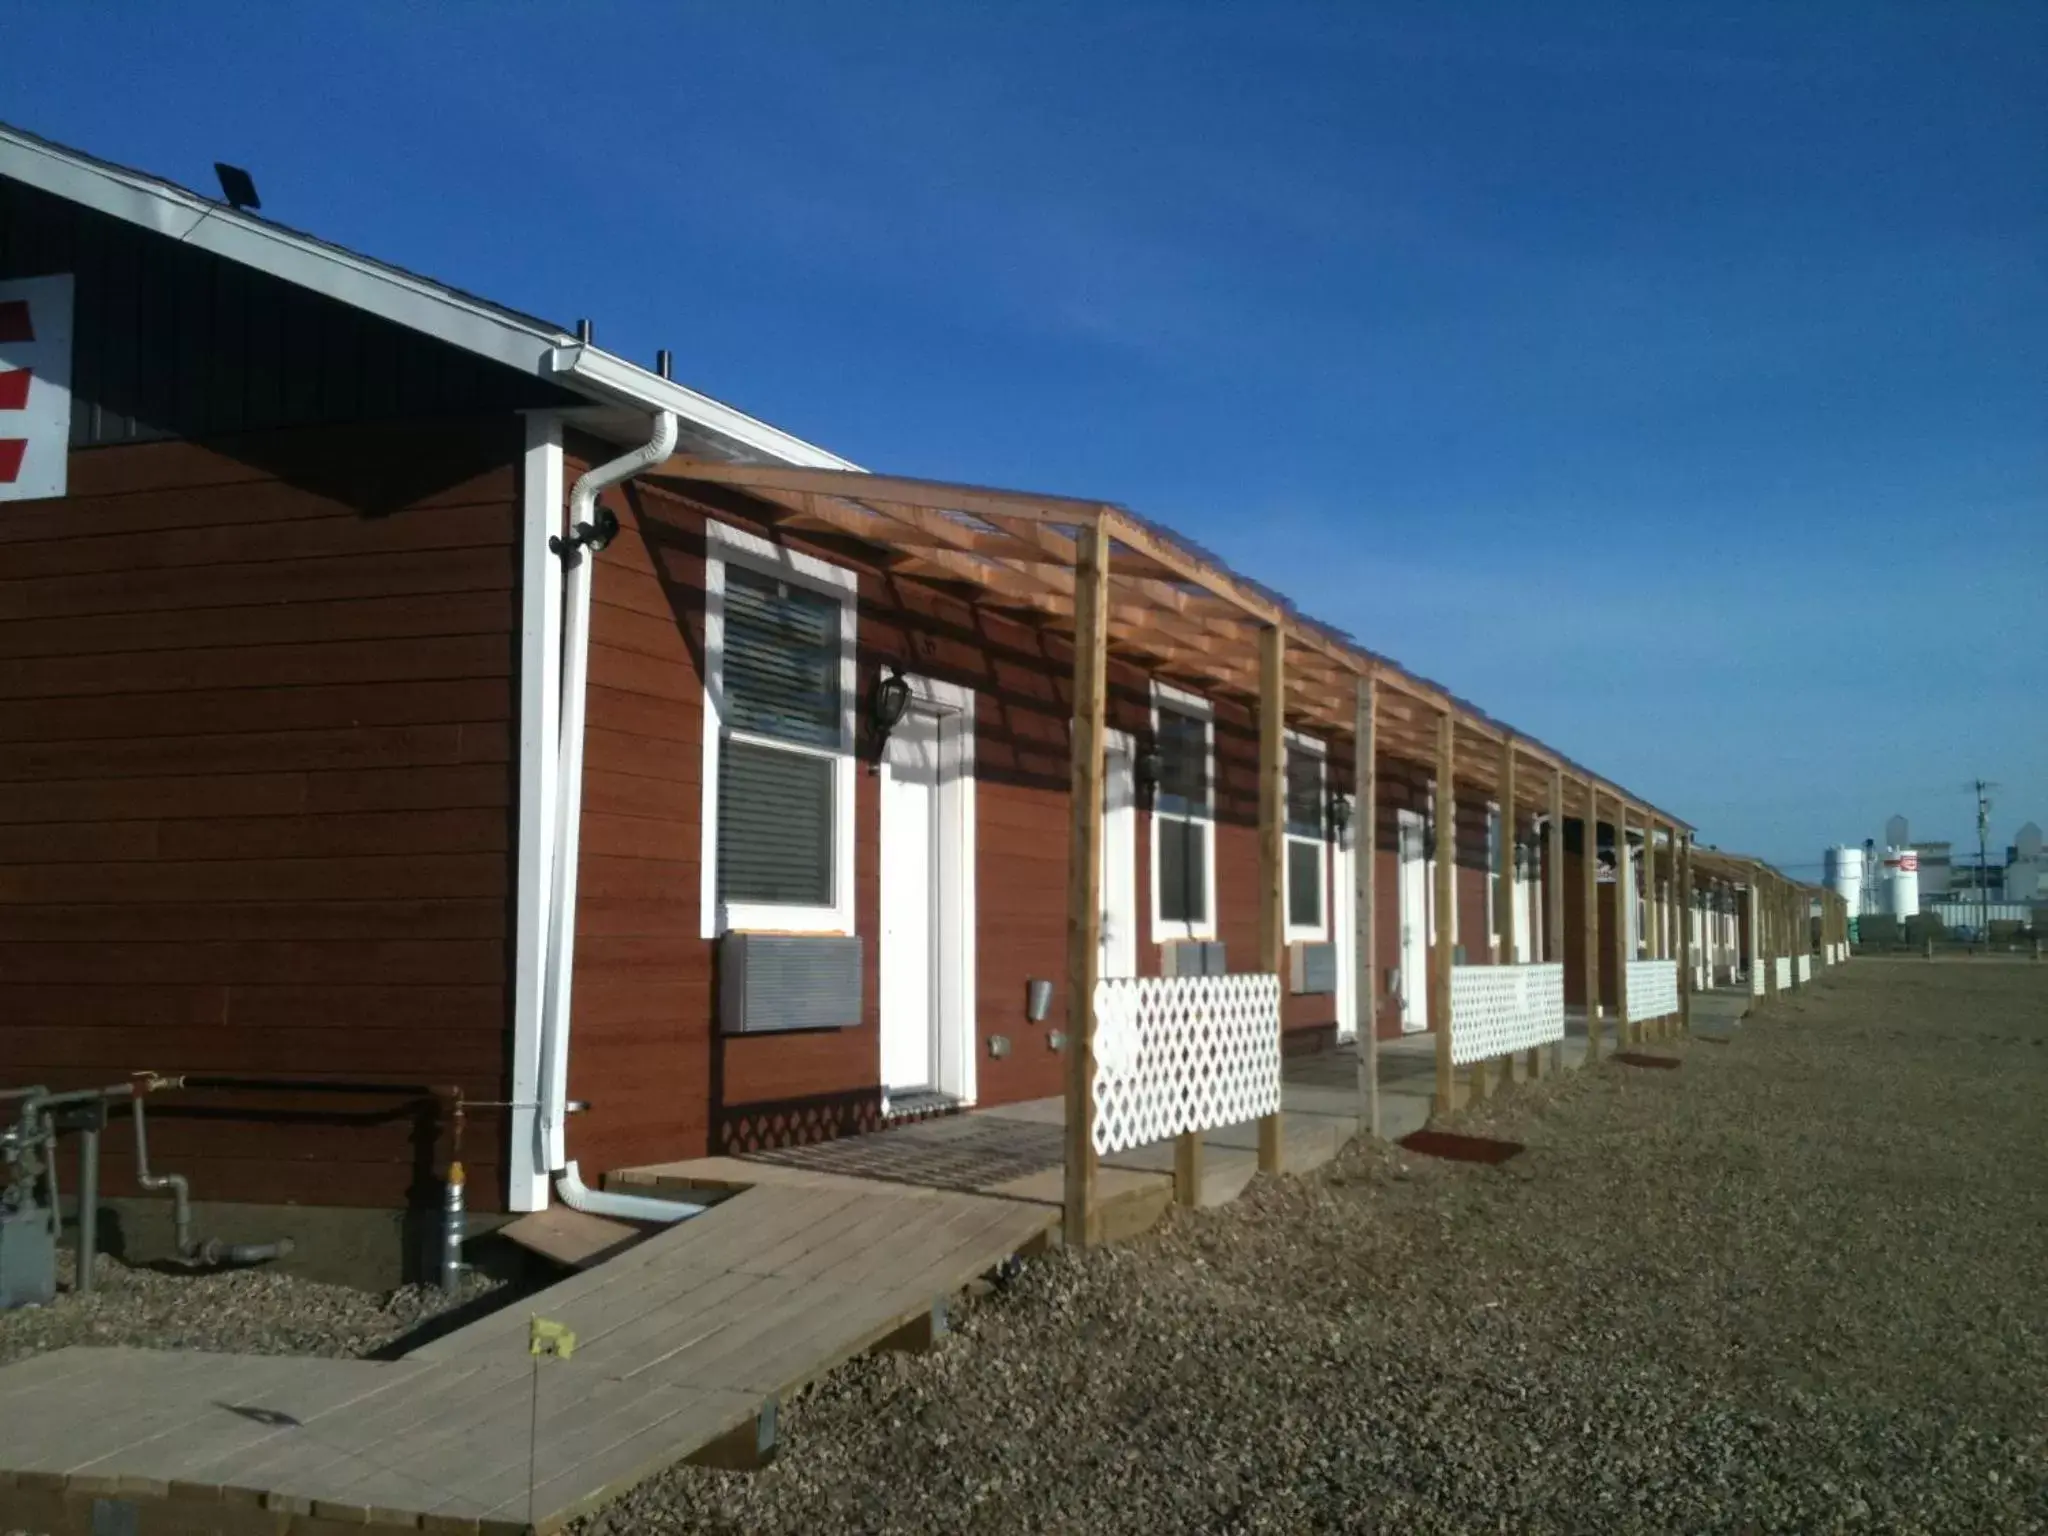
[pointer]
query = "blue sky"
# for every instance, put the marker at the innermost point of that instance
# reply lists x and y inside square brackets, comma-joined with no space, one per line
[1670,380]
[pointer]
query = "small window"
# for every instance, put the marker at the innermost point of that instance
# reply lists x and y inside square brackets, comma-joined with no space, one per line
[1183,825]
[1307,850]
[778,747]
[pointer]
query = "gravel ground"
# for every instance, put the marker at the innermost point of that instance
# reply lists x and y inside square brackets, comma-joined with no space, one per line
[251,1311]
[1799,1285]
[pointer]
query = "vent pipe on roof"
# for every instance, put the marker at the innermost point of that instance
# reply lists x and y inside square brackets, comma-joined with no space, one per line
[664,363]
[584,332]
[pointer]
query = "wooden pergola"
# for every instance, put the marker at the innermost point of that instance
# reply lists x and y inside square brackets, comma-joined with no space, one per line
[1111,582]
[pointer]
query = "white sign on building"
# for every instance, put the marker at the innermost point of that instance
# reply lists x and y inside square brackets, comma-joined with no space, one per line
[35,386]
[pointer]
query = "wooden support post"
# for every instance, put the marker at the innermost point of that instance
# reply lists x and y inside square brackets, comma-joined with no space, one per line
[1445,851]
[1589,871]
[1656,905]
[1553,899]
[1084,873]
[1504,862]
[1686,901]
[1272,840]
[1365,825]
[1624,903]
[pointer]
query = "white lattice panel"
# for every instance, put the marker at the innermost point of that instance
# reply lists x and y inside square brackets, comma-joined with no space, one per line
[1652,989]
[1183,1053]
[1499,1009]
[1756,980]
[1781,968]
[1803,965]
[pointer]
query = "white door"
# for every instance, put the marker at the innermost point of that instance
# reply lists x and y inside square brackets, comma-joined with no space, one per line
[1525,935]
[911,1007]
[1344,928]
[1119,858]
[1415,898]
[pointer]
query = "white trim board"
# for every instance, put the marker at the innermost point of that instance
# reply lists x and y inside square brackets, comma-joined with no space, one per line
[540,705]
[958,993]
[724,543]
[1164,931]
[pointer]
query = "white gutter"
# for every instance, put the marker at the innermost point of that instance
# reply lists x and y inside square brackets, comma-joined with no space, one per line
[576,549]
[579,1196]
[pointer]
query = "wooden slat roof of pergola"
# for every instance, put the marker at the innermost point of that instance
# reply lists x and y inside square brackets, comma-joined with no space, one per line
[1173,606]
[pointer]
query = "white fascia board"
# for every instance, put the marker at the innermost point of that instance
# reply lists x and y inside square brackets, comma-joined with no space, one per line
[530,347]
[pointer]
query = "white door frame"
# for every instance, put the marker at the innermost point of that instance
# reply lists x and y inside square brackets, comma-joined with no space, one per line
[1344,854]
[1416,908]
[1119,855]
[953,940]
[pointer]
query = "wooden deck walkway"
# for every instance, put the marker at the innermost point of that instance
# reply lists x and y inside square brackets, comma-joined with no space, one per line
[683,1342]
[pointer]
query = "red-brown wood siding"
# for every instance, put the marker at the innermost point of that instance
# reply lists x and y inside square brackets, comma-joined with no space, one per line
[255,794]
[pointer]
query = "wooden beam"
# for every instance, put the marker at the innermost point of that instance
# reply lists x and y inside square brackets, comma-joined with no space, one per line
[1504,870]
[1589,894]
[1365,823]
[1686,904]
[861,486]
[1084,882]
[1272,840]
[1445,851]
[1553,891]
[1624,914]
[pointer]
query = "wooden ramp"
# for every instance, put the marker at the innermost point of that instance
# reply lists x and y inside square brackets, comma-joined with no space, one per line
[683,1345]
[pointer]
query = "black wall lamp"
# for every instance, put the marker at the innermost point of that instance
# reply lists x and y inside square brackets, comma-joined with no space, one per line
[888,703]
[1147,768]
[1340,814]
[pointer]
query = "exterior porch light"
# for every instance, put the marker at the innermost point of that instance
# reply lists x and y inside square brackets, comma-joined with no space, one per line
[888,702]
[1147,768]
[1340,814]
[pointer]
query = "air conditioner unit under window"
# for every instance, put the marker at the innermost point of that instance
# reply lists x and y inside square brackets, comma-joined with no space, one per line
[771,982]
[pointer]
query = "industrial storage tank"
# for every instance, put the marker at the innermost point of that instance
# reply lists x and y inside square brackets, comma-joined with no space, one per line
[1902,882]
[1844,876]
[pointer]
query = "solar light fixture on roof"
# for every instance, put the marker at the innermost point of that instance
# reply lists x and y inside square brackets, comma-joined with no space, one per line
[237,186]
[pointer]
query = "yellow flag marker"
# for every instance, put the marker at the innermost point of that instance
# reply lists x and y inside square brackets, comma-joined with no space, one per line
[547,1338]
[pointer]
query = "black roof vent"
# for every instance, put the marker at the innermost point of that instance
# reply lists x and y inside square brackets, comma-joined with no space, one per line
[237,186]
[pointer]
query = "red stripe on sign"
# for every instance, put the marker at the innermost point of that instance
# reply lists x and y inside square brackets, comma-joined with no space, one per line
[11,450]
[14,321]
[14,389]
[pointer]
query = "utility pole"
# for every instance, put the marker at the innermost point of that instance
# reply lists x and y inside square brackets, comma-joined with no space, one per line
[1984,862]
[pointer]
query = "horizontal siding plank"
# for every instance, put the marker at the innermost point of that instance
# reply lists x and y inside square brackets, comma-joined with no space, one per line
[432,1007]
[447,962]
[359,1051]
[611,835]
[410,877]
[459,831]
[631,672]
[330,578]
[653,798]
[603,1003]
[258,752]
[646,761]
[267,711]
[454,528]
[606,877]
[655,719]
[266,624]
[198,921]
[343,661]
[258,794]
[250,499]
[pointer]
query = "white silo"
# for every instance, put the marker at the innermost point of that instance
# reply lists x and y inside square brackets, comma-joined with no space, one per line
[1902,882]
[1843,875]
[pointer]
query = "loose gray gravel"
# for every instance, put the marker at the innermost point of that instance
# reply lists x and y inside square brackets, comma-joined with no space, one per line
[1799,1285]
[251,1311]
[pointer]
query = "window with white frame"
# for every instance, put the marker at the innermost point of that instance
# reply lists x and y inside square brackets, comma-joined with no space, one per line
[1494,895]
[1183,817]
[1307,848]
[778,738]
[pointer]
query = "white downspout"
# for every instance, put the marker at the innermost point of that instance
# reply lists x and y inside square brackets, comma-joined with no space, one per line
[585,537]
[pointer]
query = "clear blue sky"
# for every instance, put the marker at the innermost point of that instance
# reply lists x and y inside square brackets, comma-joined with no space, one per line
[1670,380]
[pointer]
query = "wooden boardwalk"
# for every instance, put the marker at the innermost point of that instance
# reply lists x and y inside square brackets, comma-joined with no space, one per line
[682,1342]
